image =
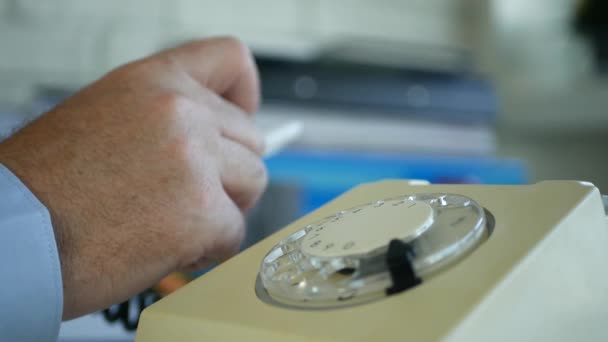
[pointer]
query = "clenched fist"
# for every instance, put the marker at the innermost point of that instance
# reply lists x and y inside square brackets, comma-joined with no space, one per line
[146,171]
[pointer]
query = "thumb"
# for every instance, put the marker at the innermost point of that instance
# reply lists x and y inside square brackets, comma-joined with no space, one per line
[224,65]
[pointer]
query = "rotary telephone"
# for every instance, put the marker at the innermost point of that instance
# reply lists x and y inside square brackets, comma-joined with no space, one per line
[404,260]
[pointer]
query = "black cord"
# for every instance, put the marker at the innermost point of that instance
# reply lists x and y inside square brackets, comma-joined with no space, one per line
[128,312]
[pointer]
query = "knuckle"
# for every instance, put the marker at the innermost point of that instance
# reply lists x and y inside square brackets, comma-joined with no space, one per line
[257,184]
[171,104]
[260,174]
[183,154]
[237,50]
[259,143]
[190,158]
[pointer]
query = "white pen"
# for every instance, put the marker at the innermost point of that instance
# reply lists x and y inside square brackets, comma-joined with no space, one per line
[278,138]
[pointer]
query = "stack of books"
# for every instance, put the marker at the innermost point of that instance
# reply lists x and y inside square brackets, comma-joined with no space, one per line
[348,106]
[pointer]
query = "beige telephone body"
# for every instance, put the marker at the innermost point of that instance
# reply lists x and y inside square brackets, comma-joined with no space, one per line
[407,261]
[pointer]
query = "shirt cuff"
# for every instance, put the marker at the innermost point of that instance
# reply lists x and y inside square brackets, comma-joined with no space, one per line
[31,293]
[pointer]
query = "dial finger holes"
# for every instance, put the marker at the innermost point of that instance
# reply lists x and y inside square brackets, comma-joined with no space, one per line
[341,275]
[341,259]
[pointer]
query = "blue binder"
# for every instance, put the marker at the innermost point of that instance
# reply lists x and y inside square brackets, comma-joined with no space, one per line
[322,175]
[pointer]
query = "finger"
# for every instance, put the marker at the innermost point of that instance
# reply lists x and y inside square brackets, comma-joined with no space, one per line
[222,226]
[242,173]
[224,65]
[234,123]
[231,233]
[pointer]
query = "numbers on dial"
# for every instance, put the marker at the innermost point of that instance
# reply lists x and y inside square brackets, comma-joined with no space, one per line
[357,230]
[313,236]
[328,246]
[315,244]
[348,245]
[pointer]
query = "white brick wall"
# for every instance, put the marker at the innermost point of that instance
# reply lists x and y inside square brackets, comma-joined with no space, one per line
[58,47]
[71,42]
[259,15]
[86,10]
[126,41]
[4,6]
[414,21]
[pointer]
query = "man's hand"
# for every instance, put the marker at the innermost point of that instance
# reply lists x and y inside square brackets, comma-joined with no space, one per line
[147,170]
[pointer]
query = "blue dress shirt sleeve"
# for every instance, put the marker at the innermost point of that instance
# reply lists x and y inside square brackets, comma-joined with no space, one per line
[31,294]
